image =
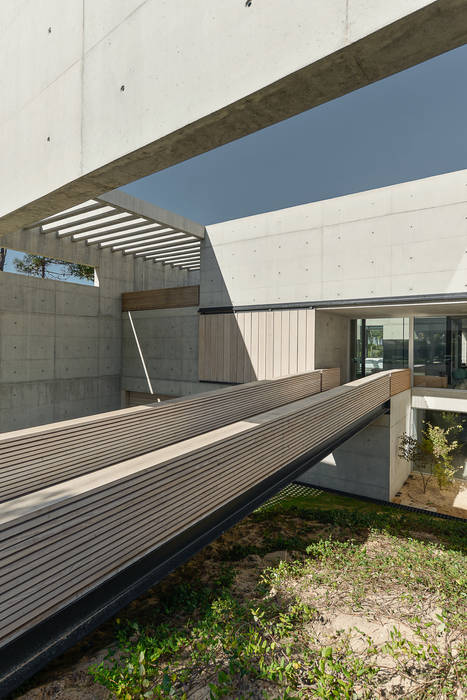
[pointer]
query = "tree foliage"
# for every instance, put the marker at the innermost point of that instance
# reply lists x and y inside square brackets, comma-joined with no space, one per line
[3,252]
[42,266]
[432,454]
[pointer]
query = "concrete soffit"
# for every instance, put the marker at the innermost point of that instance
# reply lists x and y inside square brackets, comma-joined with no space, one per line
[124,224]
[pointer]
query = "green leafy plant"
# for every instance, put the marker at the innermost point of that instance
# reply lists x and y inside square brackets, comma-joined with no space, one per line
[432,454]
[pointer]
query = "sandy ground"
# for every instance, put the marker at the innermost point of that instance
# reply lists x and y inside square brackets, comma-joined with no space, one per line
[67,678]
[451,500]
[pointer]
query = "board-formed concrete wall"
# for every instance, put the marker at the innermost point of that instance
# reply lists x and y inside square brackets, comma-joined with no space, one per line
[400,423]
[106,92]
[369,464]
[404,240]
[168,340]
[332,343]
[60,342]
[360,466]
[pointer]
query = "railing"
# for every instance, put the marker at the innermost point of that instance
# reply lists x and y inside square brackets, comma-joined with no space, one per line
[35,458]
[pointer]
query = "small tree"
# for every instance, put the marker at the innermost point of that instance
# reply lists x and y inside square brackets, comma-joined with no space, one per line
[84,272]
[432,454]
[41,266]
[37,266]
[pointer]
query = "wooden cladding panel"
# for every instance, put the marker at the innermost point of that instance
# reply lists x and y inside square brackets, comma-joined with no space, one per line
[169,298]
[331,378]
[33,459]
[244,346]
[400,381]
[70,541]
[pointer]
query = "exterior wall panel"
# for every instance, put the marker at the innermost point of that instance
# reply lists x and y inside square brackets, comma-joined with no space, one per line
[255,345]
[61,343]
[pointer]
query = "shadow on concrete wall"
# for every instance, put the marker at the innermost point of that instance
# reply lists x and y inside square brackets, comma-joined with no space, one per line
[224,338]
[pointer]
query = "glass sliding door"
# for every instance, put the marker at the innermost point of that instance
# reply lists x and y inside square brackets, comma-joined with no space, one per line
[379,344]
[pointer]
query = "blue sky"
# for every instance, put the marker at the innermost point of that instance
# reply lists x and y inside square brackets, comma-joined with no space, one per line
[408,126]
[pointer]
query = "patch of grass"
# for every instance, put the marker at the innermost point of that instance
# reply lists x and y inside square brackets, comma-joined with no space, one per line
[305,628]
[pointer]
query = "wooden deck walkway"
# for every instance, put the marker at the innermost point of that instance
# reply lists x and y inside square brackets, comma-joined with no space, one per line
[86,500]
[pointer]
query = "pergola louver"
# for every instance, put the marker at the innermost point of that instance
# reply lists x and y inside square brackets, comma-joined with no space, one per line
[129,226]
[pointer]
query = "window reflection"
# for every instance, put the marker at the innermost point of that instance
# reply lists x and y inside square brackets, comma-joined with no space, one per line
[440,352]
[380,344]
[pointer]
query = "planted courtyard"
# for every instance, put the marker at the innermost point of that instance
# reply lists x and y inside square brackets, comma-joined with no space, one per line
[313,596]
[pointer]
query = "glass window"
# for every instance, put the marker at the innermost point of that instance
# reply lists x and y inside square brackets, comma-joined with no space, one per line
[440,352]
[379,344]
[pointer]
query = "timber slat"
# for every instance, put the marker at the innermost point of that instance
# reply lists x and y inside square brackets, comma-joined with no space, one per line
[167,298]
[34,459]
[60,542]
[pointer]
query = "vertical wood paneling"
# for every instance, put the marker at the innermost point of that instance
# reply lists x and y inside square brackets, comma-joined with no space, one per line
[261,345]
[232,374]
[251,345]
[227,345]
[219,344]
[254,354]
[240,370]
[277,341]
[301,339]
[293,341]
[269,349]
[248,374]
[310,338]
[285,334]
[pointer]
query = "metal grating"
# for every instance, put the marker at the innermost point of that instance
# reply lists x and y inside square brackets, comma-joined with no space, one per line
[151,234]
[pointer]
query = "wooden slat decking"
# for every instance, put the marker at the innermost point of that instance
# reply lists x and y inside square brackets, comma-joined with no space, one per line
[38,457]
[60,542]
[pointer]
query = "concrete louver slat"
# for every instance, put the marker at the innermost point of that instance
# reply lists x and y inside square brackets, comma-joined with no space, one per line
[218,471]
[185,247]
[173,260]
[108,220]
[101,230]
[91,205]
[114,239]
[172,238]
[149,248]
[178,258]
[129,230]
[160,233]
[76,220]
[181,263]
[107,223]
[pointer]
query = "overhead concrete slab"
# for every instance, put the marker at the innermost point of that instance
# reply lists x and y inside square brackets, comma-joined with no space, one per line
[109,92]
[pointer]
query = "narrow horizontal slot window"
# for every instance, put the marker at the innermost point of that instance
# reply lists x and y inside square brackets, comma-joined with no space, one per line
[33,265]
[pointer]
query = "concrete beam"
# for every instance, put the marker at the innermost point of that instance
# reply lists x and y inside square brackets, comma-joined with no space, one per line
[117,91]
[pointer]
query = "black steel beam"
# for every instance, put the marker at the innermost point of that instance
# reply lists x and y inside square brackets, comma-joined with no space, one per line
[338,303]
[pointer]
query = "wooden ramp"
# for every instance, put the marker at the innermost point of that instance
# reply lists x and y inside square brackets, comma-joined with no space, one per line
[96,510]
